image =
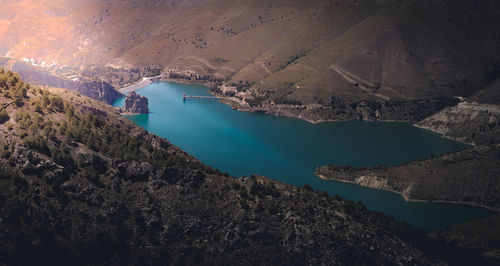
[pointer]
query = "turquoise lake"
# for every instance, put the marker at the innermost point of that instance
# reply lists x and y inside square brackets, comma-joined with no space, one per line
[289,149]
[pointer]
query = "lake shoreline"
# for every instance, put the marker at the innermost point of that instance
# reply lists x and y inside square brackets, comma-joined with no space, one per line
[238,105]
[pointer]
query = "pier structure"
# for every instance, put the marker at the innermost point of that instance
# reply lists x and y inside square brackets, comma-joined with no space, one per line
[192,97]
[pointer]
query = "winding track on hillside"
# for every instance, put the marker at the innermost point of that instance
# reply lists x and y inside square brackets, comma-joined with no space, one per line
[357,81]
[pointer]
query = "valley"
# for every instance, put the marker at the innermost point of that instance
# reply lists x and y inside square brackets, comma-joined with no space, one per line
[335,114]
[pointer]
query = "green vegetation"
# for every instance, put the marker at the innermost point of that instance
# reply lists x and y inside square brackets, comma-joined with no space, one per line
[284,100]
[12,87]
[241,86]
[292,60]
[256,100]
[37,132]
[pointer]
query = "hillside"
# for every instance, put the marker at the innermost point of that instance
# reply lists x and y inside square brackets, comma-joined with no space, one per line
[469,122]
[285,52]
[99,90]
[469,177]
[482,235]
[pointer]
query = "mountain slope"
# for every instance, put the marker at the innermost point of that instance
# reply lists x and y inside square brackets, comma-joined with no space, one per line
[99,90]
[307,51]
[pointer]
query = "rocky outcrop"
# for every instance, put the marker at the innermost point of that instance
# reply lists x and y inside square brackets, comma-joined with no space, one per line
[469,176]
[136,104]
[98,90]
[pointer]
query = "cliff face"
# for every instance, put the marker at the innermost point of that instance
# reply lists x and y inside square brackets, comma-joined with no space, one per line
[136,104]
[98,90]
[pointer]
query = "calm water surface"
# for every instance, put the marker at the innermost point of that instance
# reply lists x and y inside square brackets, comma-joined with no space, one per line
[290,149]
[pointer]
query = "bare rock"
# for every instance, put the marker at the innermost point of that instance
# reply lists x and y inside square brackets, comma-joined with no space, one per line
[136,104]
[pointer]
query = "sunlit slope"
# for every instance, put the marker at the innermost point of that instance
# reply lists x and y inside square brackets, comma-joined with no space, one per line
[305,50]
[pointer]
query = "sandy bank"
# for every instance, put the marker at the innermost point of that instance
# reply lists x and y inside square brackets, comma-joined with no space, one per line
[143,83]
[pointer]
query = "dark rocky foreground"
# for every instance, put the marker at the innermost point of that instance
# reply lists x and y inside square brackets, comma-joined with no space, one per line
[81,185]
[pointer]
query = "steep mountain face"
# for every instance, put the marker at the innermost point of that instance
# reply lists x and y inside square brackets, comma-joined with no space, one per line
[288,51]
[80,184]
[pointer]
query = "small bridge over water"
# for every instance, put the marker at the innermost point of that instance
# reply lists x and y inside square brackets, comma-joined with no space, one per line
[191,97]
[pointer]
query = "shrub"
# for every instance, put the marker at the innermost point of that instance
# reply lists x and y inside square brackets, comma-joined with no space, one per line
[37,143]
[4,117]
[6,154]
[308,187]
[57,103]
